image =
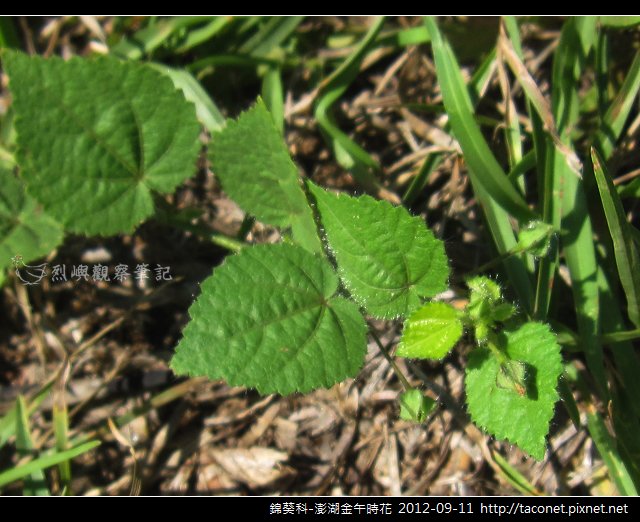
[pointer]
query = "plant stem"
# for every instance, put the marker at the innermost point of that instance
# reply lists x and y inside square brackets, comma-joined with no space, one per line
[405,383]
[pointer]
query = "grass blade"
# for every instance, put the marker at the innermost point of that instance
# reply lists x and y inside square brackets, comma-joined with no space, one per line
[206,110]
[61,433]
[147,40]
[627,362]
[513,476]
[8,422]
[275,31]
[273,96]
[493,190]
[608,451]
[484,169]
[348,153]
[625,251]
[418,183]
[537,157]
[567,197]
[617,113]
[8,35]
[202,34]
[477,86]
[44,462]
[35,484]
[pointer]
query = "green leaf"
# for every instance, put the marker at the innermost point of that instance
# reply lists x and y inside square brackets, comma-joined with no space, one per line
[415,406]
[96,137]
[25,230]
[253,164]
[269,318]
[522,419]
[430,332]
[386,258]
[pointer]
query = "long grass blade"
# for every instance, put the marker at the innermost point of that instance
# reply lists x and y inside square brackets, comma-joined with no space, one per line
[492,188]
[61,433]
[624,249]
[44,462]
[618,112]
[484,168]
[348,153]
[8,421]
[35,484]
[609,452]
[568,199]
[206,110]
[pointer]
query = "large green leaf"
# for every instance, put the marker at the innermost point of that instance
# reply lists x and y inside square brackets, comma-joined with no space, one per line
[387,258]
[25,230]
[96,137]
[253,163]
[524,418]
[269,318]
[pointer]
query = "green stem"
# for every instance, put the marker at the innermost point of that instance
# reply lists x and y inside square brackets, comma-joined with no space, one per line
[405,383]
[493,348]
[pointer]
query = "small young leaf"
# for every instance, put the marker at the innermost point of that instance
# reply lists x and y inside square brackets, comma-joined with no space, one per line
[24,229]
[535,238]
[430,332]
[386,258]
[486,306]
[96,137]
[523,419]
[484,289]
[269,318]
[255,169]
[415,406]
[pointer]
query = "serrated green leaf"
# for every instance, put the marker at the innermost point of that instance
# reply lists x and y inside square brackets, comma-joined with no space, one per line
[25,230]
[269,318]
[415,406]
[430,332]
[521,419]
[255,169]
[387,258]
[96,137]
